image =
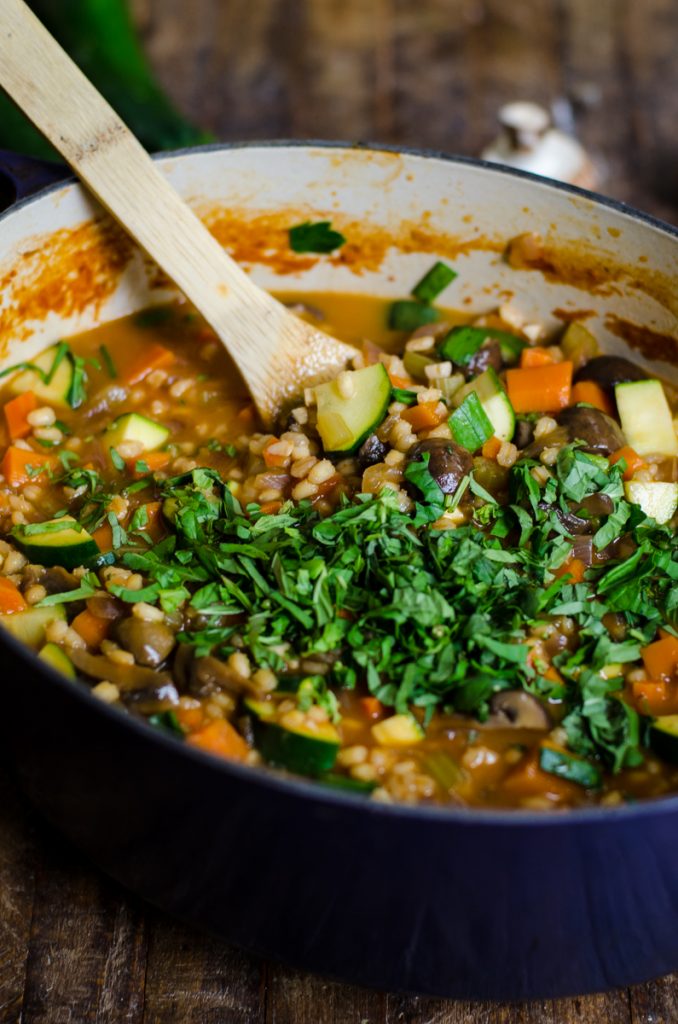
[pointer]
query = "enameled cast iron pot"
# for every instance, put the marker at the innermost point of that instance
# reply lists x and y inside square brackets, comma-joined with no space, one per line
[470,904]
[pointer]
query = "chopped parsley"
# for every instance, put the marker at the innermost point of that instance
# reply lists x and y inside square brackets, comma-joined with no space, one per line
[315,237]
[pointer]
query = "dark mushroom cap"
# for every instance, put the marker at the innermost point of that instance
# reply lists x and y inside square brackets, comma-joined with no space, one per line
[371,451]
[596,429]
[517,709]
[149,642]
[449,462]
[488,355]
[608,371]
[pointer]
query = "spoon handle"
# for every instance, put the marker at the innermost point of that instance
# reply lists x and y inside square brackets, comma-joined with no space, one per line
[275,351]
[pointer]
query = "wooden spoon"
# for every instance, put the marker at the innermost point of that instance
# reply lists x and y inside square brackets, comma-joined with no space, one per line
[276,353]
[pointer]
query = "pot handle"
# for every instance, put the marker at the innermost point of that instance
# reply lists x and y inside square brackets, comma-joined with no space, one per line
[21,176]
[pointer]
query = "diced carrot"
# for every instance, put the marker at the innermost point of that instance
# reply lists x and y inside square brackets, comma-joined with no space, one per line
[661,658]
[573,567]
[246,414]
[18,461]
[274,458]
[91,628]
[425,416]
[220,738]
[529,779]
[153,357]
[491,448]
[103,537]
[656,697]
[532,356]
[591,393]
[541,388]
[269,508]
[631,458]
[16,414]
[154,460]
[400,382]
[190,718]
[372,707]
[11,598]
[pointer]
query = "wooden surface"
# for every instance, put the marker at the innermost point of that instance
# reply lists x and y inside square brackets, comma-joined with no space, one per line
[74,949]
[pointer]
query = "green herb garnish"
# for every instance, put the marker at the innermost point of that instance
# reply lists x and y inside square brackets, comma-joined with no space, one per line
[315,237]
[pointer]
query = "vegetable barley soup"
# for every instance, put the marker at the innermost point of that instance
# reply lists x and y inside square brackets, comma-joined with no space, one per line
[447,577]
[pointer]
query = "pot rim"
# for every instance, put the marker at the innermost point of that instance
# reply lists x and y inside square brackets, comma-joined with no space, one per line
[315,792]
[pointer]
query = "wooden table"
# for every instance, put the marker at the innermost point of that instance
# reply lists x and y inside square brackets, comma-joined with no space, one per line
[74,948]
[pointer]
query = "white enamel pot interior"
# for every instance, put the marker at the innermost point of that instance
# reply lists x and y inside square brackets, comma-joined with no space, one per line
[61,271]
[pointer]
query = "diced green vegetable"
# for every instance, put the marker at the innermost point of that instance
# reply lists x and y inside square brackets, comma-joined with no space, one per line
[56,542]
[646,418]
[656,498]
[403,395]
[30,626]
[300,750]
[397,731]
[664,737]
[494,400]
[132,426]
[54,384]
[167,721]
[461,344]
[444,769]
[345,782]
[470,425]
[345,420]
[58,659]
[434,282]
[415,363]
[573,769]
[407,315]
[577,344]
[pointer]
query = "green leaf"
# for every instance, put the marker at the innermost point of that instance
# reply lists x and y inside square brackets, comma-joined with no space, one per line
[315,237]
[470,424]
[573,769]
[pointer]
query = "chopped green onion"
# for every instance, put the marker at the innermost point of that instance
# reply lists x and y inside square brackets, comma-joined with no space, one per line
[470,424]
[407,315]
[434,282]
[108,362]
[62,350]
[573,769]
[318,237]
[461,344]
[117,460]
[77,394]
[404,396]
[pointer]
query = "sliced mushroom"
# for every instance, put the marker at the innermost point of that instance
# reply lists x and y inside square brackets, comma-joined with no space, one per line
[125,677]
[210,674]
[608,371]
[596,429]
[153,700]
[371,452]
[149,642]
[518,710]
[449,463]
[488,355]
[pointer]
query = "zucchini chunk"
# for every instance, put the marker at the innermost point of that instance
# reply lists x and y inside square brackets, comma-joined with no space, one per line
[57,543]
[58,390]
[345,422]
[132,426]
[30,626]
[398,731]
[58,659]
[301,750]
[664,737]
[415,363]
[646,417]
[494,400]
[657,499]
